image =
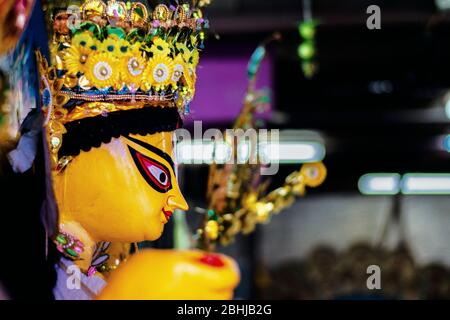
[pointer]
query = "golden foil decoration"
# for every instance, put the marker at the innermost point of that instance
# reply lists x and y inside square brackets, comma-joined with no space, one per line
[237,197]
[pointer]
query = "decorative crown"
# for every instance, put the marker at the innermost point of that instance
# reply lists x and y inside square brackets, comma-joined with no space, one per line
[119,56]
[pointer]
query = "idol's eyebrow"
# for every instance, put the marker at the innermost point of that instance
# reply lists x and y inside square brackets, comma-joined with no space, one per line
[155,150]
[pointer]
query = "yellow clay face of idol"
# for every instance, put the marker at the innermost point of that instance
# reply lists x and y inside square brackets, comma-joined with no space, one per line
[124,191]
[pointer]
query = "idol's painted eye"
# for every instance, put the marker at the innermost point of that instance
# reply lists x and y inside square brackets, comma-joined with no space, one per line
[156,174]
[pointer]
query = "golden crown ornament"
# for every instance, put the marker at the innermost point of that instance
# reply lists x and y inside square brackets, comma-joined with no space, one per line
[119,56]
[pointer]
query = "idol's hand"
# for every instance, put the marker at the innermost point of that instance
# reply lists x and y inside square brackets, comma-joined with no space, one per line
[173,274]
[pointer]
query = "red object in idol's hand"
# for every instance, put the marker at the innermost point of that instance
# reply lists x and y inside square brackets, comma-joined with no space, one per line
[213,260]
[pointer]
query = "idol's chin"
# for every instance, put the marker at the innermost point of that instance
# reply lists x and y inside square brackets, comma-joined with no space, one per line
[153,234]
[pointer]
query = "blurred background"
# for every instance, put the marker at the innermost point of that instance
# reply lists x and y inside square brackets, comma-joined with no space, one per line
[378,101]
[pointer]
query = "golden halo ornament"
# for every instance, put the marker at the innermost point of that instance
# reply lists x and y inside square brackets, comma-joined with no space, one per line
[101,71]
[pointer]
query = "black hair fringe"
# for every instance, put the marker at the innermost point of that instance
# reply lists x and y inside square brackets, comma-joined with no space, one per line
[88,133]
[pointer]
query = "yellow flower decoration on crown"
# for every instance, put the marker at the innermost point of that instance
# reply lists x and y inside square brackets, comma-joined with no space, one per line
[184,51]
[160,47]
[101,71]
[195,58]
[159,72]
[194,40]
[179,70]
[132,70]
[115,46]
[193,78]
[189,79]
[135,49]
[124,46]
[85,40]
[76,59]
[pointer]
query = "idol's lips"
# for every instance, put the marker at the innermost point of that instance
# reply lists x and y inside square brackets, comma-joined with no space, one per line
[167,214]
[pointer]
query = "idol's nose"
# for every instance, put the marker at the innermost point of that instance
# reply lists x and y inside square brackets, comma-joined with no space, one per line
[177,201]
